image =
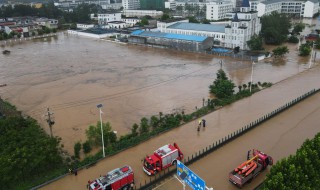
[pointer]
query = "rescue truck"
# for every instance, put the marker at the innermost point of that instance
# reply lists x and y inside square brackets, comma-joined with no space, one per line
[117,179]
[249,169]
[162,158]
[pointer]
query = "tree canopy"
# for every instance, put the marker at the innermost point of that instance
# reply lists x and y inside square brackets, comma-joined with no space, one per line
[255,43]
[280,51]
[222,87]
[26,152]
[275,28]
[299,171]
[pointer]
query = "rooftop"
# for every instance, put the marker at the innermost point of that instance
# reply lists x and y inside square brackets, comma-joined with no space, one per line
[199,27]
[168,35]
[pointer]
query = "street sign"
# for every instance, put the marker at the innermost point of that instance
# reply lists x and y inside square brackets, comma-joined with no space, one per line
[194,181]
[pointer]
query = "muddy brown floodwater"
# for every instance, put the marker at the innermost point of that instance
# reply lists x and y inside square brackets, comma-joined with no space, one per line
[71,75]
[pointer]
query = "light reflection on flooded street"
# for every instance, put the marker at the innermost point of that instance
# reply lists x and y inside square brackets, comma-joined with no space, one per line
[72,75]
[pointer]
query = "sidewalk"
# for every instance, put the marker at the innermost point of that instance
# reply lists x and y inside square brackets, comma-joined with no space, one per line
[219,124]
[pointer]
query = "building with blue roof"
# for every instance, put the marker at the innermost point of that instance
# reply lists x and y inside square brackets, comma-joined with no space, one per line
[170,40]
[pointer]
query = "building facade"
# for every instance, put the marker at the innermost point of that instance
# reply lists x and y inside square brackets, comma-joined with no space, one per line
[306,9]
[141,13]
[130,4]
[218,10]
[152,4]
[242,27]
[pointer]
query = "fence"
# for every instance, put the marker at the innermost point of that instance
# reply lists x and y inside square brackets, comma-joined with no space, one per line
[153,181]
[22,39]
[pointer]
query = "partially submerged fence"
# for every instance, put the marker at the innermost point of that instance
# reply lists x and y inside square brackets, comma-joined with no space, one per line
[153,181]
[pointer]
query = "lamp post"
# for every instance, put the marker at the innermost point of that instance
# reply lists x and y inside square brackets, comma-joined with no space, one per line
[251,75]
[99,106]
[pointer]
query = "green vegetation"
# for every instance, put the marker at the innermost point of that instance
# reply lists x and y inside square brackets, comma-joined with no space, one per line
[275,28]
[280,51]
[299,171]
[255,43]
[305,49]
[293,39]
[28,155]
[80,13]
[299,27]
[223,89]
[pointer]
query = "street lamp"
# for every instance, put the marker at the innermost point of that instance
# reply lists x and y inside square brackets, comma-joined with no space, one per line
[99,106]
[251,74]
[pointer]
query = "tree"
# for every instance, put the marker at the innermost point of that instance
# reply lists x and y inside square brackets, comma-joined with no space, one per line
[144,126]
[293,39]
[275,28]
[222,87]
[77,148]
[299,27]
[304,49]
[144,21]
[86,147]
[280,51]
[165,17]
[255,43]
[205,21]
[134,129]
[192,19]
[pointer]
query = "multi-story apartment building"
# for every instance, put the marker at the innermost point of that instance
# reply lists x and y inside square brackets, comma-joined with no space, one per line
[242,27]
[306,9]
[131,4]
[218,10]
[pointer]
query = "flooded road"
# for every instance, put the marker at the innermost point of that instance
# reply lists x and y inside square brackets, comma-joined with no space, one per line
[278,137]
[219,124]
[71,75]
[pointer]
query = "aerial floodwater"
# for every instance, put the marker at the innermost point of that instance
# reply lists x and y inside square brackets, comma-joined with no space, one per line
[71,75]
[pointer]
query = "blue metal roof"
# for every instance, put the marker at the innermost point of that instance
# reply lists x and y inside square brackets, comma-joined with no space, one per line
[199,27]
[169,36]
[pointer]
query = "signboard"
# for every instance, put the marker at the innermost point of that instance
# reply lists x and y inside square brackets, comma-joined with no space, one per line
[194,181]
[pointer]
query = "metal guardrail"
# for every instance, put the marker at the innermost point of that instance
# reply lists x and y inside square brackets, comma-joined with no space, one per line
[221,142]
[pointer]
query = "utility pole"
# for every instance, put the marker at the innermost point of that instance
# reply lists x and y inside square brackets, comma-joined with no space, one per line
[49,120]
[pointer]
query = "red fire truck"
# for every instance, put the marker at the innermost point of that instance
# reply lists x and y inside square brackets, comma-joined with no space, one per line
[249,169]
[162,158]
[117,179]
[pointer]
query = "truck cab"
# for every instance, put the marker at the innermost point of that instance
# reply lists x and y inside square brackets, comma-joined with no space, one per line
[162,158]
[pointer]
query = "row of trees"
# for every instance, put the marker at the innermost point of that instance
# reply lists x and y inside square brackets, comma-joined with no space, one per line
[299,171]
[80,13]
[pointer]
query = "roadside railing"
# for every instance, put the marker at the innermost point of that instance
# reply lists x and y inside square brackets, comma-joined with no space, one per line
[155,180]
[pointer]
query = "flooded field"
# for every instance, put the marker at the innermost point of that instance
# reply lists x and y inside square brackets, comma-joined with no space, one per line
[272,135]
[71,75]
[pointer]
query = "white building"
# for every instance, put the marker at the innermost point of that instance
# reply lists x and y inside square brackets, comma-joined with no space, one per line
[84,26]
[50,23]
[130,21]
[141,13]
[267,7]
[242,27]
[108,17]
[192,4]
[170,5]
[306,9]
[218,10]
[130,4]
